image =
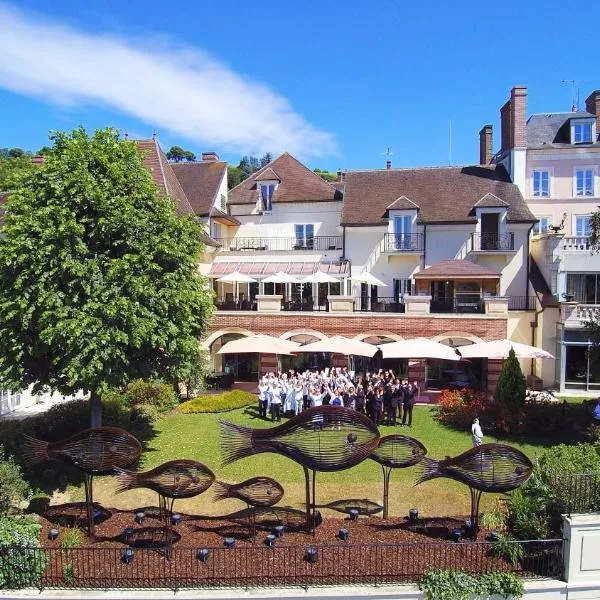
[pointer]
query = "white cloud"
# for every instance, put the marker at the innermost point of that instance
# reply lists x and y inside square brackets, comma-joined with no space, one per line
[180,89]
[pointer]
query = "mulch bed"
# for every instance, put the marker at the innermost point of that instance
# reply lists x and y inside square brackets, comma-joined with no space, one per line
[376,551]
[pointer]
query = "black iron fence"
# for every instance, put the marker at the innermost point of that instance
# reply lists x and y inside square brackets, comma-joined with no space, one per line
[235,303]
[343,563]
[490,242]
[270,243]
[402,242]
[365,304]
[521,302]
[577,492]
[459,304]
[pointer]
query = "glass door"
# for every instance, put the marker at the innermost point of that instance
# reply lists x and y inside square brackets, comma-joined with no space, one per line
[402,232]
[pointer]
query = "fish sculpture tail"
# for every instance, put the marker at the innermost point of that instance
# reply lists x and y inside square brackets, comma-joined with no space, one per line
[236,442]
[429,470]
[221,490]
[127,480]
[35,450]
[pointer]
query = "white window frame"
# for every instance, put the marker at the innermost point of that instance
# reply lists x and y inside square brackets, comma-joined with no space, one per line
[594,171]
[303,240]
[575,217]
[537,228]
[550,181]
[266,184]
[581,123]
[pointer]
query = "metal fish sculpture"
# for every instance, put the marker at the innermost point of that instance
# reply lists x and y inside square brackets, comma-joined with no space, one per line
[488,468]
[173,479]
[323,438]
[266,518]
[363,506]
[94,451]
[398,451]
[258,491]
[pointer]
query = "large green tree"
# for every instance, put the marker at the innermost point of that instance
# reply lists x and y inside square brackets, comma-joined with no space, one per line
[98,277]
[178,154]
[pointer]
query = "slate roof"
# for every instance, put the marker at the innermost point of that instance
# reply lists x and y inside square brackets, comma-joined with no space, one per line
[552,129]
[267,174]
[200,182]
[443,194]
[297,184]
[490,201]
[456,268]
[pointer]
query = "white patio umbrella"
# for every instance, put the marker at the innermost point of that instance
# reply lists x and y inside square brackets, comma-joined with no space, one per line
[369,279]
[281,277]
[236,278]
[338,344]
[259,344]
[499,349]
[418,348]
[319,277]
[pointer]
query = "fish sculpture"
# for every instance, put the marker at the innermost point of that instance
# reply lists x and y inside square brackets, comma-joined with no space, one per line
[258,491]
[398,451]
[323,438]
[363,506]
[94,451]
[487,468]
[265,517]
[173,479]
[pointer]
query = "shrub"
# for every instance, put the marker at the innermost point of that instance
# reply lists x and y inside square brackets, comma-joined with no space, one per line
[23,562]
[72,538]
[495,518]
[159,395]
[509,548]
[447,584]
[579,458]
[511,387]
[531,511]
[13,488]
[220,381]
[459,407]
[214,403]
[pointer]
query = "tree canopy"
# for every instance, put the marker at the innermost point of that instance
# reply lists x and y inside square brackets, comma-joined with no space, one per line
[326,175]
[245,168]
[98,276]
[178,154]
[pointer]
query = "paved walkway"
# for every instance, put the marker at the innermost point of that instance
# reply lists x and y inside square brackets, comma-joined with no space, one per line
[35,409]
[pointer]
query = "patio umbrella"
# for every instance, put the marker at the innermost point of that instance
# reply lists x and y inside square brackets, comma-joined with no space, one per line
[500,349]
[281,277]
[236,277]
[418,348]
[319,277]
[259,344]
[369,279]
[339,344]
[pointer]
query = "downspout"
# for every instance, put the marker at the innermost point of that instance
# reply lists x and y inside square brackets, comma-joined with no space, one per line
[535,323]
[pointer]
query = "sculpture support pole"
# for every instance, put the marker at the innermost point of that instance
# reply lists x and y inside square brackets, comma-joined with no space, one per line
[475,498]
[387,471]
[307,496]
[89,500]
[314,501]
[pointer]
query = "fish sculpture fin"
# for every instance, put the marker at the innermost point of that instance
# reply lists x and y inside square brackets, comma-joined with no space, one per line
[221,490]
[236,442]
[127,480]
[35,450]
[429,470]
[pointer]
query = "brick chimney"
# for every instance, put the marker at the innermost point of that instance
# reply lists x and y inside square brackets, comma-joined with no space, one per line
[388,164]
[505,128]
[210,156]
[518,121]
[592,105]
[485,145]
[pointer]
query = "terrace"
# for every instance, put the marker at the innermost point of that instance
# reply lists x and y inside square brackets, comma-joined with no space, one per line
[281,244]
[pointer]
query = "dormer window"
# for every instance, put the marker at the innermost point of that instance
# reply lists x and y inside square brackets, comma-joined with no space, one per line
[582,132]
[266,196]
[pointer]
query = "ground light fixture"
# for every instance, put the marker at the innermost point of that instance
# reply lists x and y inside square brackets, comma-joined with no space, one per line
[278,531]
[139,517]
[52,534]
[97,515]
[343,534]
[353,512]
[176,519]
[229,542]
[413,515]
[127,556]
[128,532]
[312,555]
[203,554]
[494,536]
[456,534]
[270,541]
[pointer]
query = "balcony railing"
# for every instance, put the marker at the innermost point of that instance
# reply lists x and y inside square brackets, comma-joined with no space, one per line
[403,242]
[320,243]
[235,304]
[392,305]
[307,305]
[493,242]
[474,305]
[521,302]
[576,243]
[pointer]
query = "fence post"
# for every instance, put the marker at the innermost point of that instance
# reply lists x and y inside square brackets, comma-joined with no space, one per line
[581,555]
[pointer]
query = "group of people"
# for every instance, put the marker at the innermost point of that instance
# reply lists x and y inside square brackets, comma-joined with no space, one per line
[382,396]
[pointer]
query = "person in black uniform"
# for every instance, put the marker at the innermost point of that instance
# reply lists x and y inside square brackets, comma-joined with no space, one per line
[408,403]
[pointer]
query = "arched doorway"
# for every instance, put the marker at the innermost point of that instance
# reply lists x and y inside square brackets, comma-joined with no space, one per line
[305,361]
[444,374]
[362,364]
[244,366]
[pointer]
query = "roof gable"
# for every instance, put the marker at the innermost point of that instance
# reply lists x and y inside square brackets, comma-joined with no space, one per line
[402,203]
[268,175]
[201,182]
[490,201]
[297,184]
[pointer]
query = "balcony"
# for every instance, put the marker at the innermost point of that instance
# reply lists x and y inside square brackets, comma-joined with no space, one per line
[493,242]
[461,305]
[388,305]
[402,242]
[279,244]
[230,303]
[576,243]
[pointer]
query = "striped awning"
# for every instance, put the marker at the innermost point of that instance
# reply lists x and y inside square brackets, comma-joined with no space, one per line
[265,268]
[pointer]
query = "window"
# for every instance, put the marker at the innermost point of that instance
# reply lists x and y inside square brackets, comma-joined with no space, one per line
[217,231]
[266,196]
[543,226]
[540,181]
[304,236]
[583,225]
[401,287]
[582,133]
[584,182]
[584,288]
[403,232]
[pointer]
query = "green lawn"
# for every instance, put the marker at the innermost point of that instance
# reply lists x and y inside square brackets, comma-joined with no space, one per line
[196,436]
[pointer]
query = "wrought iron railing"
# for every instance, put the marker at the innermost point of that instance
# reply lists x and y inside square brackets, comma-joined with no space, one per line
[281,565]
[465,305]
[521,302]
[235,304]
[490,242]
[577,492]
[366,304]
[402,242]
[307,305]
[320,243]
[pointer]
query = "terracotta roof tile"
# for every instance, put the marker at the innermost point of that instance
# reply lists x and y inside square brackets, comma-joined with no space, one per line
[201,182]
[297,184]
[267,175]
[456,268]
[443,194]
[490,201]
[402,203]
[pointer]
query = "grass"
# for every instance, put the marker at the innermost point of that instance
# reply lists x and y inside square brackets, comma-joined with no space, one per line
[196,436]
[216,403]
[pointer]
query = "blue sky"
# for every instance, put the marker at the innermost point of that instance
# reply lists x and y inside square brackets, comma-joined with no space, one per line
[335,83]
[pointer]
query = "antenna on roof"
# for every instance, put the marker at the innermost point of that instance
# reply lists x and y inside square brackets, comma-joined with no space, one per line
[574,88]
[154,134]
[388,154]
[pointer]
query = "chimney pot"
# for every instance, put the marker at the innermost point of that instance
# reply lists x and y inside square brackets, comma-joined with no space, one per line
[518,120]
[210,156]
[592,105]
[388,164]
[486,147]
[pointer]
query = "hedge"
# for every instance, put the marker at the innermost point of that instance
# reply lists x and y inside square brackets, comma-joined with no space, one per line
[215,403]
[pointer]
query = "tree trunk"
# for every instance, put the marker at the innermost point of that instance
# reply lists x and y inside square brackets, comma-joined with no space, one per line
[95,410]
